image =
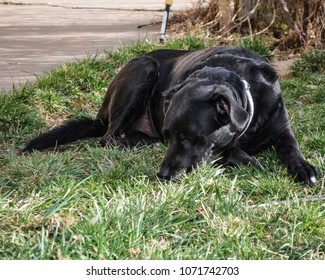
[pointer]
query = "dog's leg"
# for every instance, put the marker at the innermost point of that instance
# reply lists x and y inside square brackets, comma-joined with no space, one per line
[288,152]
[236,157]
[126,102]
[136,138]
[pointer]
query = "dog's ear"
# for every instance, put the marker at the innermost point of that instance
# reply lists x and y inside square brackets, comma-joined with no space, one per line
[170,92]
[226,105]
[168,95]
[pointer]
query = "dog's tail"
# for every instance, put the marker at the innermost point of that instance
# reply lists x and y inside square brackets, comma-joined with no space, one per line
[69,131]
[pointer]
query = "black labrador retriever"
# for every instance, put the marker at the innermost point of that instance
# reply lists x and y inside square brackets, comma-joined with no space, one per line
[218,104]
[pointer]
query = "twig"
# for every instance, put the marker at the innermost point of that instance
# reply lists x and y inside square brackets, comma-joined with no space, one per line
[243,18]
[263,206]
[291,23]
[268,27]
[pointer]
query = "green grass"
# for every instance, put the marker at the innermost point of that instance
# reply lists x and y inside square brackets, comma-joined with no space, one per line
[87,202]
[257,45]
[313,61]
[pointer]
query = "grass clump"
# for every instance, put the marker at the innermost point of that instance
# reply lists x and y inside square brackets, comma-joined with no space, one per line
[311,62]
[257,45]
[82,201]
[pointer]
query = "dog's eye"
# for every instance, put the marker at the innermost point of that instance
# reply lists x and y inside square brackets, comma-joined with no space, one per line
[199,140]
[184,137]
[191,139]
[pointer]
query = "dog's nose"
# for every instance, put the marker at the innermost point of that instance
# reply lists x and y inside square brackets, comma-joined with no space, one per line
[164,174]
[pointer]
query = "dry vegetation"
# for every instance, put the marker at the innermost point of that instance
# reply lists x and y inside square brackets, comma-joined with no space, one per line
[288,24]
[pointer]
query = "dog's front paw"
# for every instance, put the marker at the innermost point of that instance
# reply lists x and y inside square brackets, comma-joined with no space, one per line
[304,173]
[106,141]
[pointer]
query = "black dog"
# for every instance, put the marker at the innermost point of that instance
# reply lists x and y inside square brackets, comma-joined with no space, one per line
[216,104]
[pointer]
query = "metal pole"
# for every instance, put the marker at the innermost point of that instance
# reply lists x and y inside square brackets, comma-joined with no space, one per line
[168,4]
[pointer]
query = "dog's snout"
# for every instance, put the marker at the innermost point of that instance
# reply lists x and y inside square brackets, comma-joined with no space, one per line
[164,174]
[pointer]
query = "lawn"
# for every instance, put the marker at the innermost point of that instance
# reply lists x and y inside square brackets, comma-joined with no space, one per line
[82,201]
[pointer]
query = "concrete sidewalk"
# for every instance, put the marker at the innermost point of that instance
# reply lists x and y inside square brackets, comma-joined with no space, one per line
[37,35]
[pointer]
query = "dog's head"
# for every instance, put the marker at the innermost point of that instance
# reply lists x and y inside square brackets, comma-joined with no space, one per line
[203,117]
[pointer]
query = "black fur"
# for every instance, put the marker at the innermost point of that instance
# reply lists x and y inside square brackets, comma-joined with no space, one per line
[69,131]
[199,102]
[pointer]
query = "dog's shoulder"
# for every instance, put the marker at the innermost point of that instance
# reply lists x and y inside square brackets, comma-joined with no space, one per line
[235,51]
[248,65]
[165,55]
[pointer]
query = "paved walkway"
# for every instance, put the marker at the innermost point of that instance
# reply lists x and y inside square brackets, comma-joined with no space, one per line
[37,35]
